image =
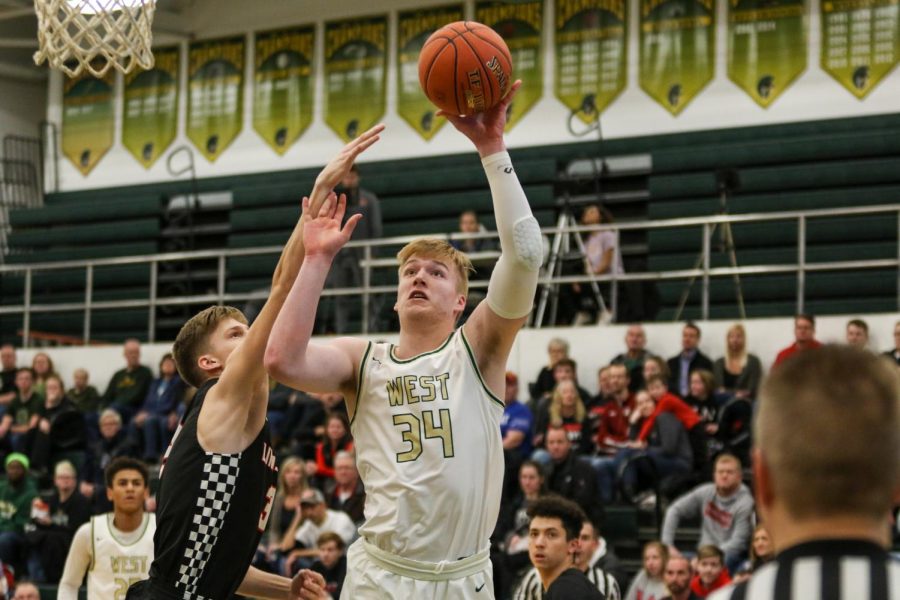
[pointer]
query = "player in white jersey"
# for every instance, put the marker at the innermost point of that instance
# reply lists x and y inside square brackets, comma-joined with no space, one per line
[425,412]
[114,548]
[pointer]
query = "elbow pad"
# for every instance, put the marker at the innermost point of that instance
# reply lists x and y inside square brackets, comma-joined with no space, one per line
[514,280]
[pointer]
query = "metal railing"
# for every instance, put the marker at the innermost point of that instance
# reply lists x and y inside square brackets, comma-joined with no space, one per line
[705,273]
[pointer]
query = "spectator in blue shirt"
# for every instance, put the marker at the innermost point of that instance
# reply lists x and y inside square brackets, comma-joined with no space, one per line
[517,423]
[158,417]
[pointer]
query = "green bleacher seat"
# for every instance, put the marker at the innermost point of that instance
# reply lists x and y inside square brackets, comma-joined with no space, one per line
[110,231]
[136,206]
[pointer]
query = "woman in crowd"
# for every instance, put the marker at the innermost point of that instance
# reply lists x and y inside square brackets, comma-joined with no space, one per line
[567,410]
[158,416]
[702,399]
[648,584]
[291,484]
[738,373]
[337,437]
[42,365]
[60,427]
[761,552]
[655,366]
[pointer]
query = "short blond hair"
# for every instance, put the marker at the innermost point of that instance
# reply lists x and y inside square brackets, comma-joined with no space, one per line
[440,250]
[828,429]
[193,340]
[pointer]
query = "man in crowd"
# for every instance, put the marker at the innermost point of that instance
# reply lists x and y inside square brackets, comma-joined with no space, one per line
[114,442]
[634,356]
[598,562]
[17,492]
[25,590]
[8,373]
[315,519]
[128,387]
[345,492]
[689,359]
[570,475]
[858,333]
[677,576]
[826,464]
[804,338]
[114,549]
[711,572]
[552,547]
[517,423]
[332,562]
[22,413]
[725,509]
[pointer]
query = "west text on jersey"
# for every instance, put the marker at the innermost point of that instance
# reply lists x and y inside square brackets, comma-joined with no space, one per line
[410,389]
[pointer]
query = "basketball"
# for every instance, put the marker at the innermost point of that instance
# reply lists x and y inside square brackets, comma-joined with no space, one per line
[465,68]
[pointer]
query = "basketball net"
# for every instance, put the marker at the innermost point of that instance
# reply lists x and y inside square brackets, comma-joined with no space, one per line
[94,35]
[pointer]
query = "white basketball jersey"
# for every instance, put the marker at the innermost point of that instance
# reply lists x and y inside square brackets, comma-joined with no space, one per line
[116,565]
[427,437]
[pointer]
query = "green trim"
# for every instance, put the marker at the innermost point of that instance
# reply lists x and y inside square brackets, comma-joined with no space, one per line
[401,361]
[93,549]
[359,381]
[110,517]
[478,371]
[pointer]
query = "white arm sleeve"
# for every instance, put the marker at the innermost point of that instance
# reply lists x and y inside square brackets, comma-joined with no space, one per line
[514,280]
[77,563]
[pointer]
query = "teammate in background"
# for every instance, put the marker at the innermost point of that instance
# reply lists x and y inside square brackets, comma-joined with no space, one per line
[218,478]
[826,466]
[114,548]
[425,413]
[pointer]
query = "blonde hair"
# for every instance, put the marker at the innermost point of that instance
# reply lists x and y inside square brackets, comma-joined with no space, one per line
[193,340]
[442,251]
[828,428]
[291,461]
[556,404]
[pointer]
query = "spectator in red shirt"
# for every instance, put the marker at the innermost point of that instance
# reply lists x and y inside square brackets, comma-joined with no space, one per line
[612,417]
[804,338]
[337,437]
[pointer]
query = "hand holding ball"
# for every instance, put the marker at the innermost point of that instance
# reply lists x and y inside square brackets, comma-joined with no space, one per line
[465,68]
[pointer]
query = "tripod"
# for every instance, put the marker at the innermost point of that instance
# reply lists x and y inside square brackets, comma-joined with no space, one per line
[727,181]
[562,243]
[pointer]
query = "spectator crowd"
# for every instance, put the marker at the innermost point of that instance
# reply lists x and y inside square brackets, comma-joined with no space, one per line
[667,433]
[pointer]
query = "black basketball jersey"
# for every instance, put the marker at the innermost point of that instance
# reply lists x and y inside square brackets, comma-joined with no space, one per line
[211,512]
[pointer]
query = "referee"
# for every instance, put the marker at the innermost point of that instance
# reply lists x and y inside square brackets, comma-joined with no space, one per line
[827,470]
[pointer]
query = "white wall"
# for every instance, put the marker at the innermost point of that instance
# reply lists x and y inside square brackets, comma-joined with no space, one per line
[23,105]
[814,95]
[591,347]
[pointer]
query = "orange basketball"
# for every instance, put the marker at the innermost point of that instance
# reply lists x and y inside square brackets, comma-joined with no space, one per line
[465,68]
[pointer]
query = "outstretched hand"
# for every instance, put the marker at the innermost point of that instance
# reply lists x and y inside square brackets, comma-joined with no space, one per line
[485,129]
[338,167]
[308,585]
[322,231]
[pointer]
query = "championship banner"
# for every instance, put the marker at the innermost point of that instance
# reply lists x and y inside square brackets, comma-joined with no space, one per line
[150,107]
[355,74]
[215,94]
[591,54]
[283,85]
[413,29]
[860,41]
[520,25]
[88,124]
[677,50]
[766,46]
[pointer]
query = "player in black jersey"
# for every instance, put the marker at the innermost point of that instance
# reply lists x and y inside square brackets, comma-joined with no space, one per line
[218,478]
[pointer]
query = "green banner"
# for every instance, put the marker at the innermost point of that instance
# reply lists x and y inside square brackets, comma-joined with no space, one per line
[355,74]
[413,29]
[677,50]
[283,85]
[520,24]
[215,94]
[88,124]
[150,107]
[591,54]
[766,46]
[860,41]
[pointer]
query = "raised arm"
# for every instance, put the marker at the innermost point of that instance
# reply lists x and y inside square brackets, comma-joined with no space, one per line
[290,357]
[244,376]
[495,321]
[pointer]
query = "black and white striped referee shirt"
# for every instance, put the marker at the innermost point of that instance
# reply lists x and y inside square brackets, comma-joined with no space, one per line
[531,587]
[823,570]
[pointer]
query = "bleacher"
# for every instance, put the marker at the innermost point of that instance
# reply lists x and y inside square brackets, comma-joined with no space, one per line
[795,166]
